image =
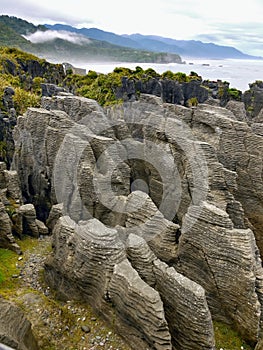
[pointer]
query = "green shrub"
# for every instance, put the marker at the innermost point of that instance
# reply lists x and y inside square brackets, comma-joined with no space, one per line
[181,77]
[24,99]
[36,86]
[235,94]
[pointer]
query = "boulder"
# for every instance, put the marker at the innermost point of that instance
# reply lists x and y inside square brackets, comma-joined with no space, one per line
[28,213]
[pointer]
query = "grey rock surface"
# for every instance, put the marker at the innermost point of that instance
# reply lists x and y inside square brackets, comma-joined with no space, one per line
[140,305]
[211,255]
[15,329]
[30,225]
[7,240]
[186,181]
[189,318]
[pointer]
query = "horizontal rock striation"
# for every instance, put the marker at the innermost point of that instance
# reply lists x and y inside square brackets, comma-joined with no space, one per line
[140,305]
[90,261]
[239,148]
[180,312]
[186,182]
[215,262]
[15,329]
[16,218]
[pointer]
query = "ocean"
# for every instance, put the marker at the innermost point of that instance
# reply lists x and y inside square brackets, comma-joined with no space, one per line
[239,73]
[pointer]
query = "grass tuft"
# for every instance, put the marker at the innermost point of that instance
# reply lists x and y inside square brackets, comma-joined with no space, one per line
[228,339]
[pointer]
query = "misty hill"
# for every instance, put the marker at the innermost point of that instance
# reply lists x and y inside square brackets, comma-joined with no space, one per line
[8,35]
[98,34]
[19,25]
[186,48]
[72,47]
[189,48]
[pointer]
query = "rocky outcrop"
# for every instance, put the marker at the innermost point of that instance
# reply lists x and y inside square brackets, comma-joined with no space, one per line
[181,179]
[30,226]
[15,329]
[253,99]
[7,240]
[171,286]
[16,218]
[147,319]
[202,259]
[238,147]
[89,261]
[171,91]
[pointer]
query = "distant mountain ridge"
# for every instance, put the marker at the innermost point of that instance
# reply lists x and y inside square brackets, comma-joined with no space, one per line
[16,32]
[185,48]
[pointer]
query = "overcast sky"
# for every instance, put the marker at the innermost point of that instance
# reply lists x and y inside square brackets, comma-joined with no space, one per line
[235,23]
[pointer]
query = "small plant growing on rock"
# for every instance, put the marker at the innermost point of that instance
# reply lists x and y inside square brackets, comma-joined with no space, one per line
[192,102]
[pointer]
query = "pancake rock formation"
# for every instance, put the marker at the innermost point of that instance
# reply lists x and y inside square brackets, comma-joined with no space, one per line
[155,211]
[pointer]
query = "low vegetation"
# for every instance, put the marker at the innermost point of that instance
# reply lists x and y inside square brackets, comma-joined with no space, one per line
[24,73]
[228,339]
[103,87]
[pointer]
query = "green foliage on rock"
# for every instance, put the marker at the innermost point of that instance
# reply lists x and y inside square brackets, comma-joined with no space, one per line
[102,87]
[25,72]
[192,102]
[235,94]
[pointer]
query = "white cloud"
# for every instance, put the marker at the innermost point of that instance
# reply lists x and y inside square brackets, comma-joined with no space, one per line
[178,19]
[49,35]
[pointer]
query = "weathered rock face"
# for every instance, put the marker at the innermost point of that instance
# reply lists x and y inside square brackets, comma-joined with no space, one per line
[6,238]
[126,288]
[253,99]
[211,263]
[89,261]
[15,329]
[15,218]
[181,180]
[171,91]
[239,149]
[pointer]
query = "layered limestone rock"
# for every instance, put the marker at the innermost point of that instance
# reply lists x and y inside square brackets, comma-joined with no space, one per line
[7,240]
[15,329]
[180,312]
[15,217]
[83,259]
[239,148]
[89,261]
[140,305]
[30,226]
[182,298]
[211,253]
[185,180]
